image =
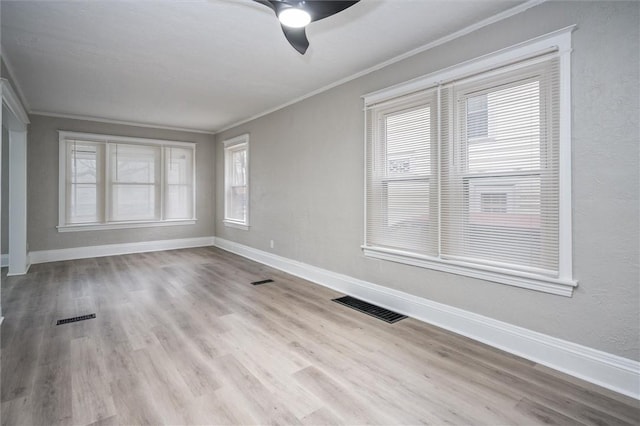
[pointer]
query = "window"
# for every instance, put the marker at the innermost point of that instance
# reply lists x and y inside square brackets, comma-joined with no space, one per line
[468,169]
[109,182]
[236,182]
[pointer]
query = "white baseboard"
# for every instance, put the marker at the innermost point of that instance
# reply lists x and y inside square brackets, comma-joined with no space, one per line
[4,263]
[607,370]
[44,256]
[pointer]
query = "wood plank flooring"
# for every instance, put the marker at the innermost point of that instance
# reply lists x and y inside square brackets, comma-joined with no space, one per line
[182,337]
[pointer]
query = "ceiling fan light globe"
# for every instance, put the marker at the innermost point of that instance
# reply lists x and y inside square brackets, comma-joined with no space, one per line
[294,18]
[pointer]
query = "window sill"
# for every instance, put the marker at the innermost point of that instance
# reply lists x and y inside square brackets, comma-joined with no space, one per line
[541,283]
[236,225]
[123,225]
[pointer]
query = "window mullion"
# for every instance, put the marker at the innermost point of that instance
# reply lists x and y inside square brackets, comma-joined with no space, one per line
[439,169]
[163,185]
[107,183]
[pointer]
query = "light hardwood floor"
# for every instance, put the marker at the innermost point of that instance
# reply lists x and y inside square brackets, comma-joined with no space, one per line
[181,337]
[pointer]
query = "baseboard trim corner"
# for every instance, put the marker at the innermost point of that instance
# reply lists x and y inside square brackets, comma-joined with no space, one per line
[44,256]
[610,371]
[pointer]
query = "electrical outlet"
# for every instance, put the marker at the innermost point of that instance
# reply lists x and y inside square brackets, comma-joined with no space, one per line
[271,243]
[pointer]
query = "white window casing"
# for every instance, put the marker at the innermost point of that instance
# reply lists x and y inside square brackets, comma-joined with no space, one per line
[468,170]
[113,182]
[236,182]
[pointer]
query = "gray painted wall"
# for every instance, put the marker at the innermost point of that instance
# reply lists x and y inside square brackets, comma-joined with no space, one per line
[307,180]
[42,176]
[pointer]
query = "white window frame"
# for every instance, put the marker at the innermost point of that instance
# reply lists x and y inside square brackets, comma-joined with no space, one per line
[560,43]
[105,224]
[234,144]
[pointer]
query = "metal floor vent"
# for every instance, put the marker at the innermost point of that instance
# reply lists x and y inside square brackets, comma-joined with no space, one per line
[75,319]
[262,282]
[369,309]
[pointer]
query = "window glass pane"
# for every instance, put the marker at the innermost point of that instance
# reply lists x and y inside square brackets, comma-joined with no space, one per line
[238,167]
[135,177]
[133,202]
[407,211]
[504,220]
[134,163]
[178,202]
[506,135]
[477,117]
[179,165]
[238,203]
[236,207]
[179,177]
[408,142]
[82,189]
[84,163]
[400,186]
[82,203]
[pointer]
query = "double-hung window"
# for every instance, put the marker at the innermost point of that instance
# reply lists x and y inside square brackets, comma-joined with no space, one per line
[108,182]
[236,182]
[468,170]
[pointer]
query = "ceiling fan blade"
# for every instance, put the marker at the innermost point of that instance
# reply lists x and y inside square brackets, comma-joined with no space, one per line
[297,37]
[320,9]
[266,3]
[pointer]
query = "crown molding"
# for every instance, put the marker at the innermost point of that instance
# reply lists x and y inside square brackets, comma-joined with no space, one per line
[12,101]
[460,33]
[16,83]
[120,122]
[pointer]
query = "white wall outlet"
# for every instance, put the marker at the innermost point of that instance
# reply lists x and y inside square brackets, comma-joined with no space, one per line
[271,243]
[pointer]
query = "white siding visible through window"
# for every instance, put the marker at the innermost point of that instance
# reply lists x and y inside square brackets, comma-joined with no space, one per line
[112,181]
[468,173]
[518,158]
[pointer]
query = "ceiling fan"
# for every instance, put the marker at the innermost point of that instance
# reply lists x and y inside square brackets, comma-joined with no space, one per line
[295,15]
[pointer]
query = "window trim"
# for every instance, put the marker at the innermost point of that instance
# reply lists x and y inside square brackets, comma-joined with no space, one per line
[64,135]
[230,144]
[558,42]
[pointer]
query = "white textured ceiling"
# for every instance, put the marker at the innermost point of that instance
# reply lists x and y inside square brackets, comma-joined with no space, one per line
[203,64]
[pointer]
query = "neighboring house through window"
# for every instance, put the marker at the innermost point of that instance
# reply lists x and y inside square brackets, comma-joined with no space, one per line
[468,170]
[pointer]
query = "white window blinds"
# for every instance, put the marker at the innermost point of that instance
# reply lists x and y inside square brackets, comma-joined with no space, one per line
[84,190]
[179,168]
[499,197]
[134,182]
[111,181]
[401,213]
[467,172]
